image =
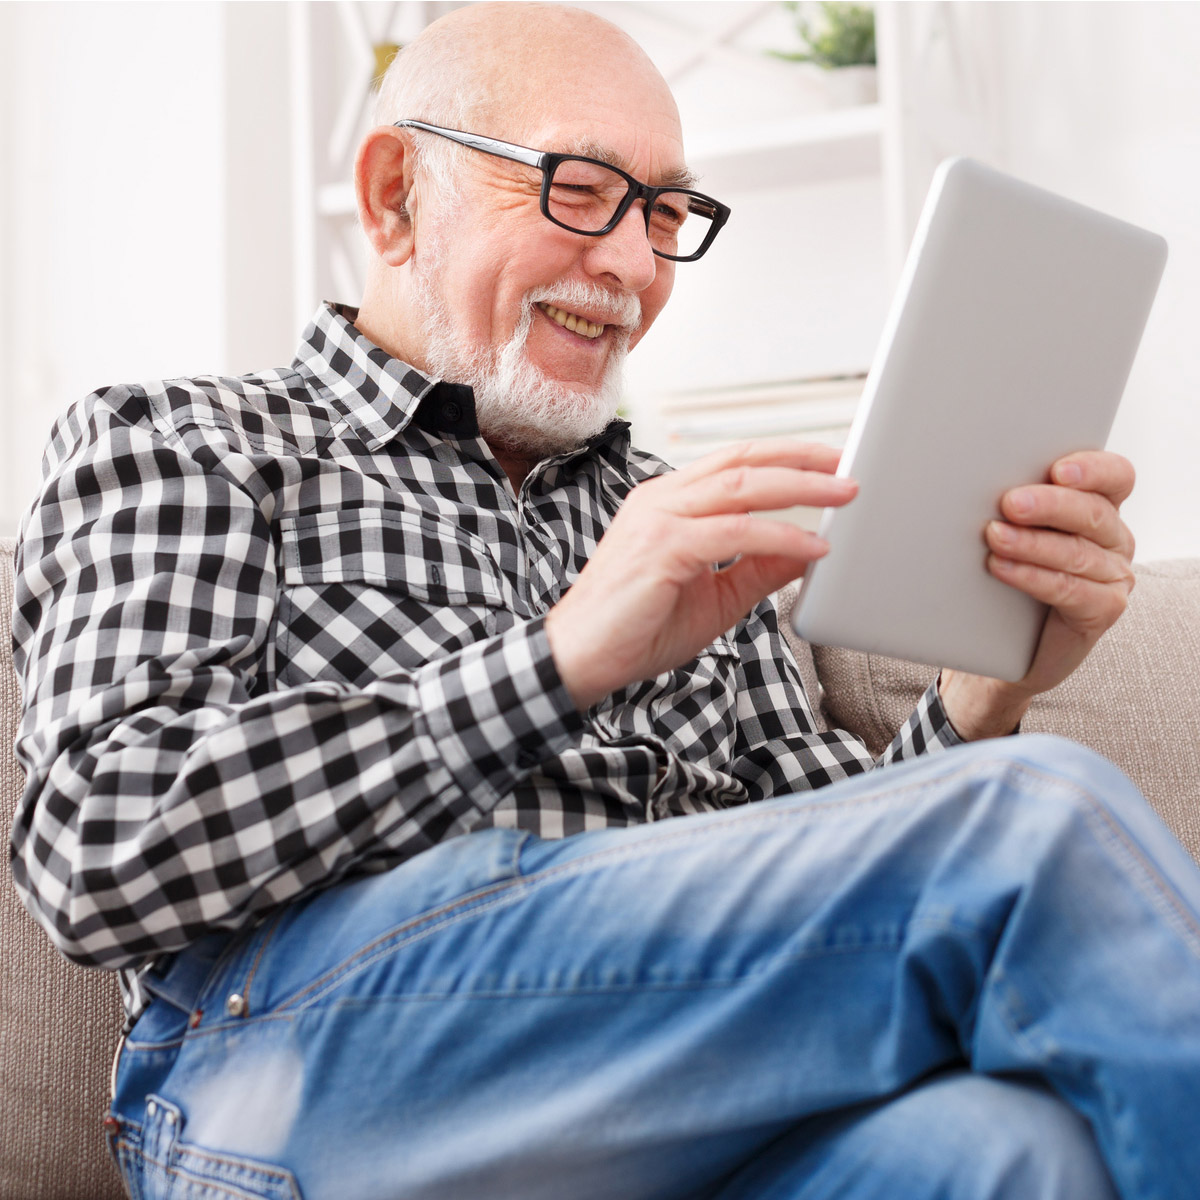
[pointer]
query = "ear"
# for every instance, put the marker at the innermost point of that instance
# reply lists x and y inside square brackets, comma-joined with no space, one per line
[383,179]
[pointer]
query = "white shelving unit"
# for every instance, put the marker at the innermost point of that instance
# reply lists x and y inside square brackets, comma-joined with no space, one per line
[333,63]
[798,150]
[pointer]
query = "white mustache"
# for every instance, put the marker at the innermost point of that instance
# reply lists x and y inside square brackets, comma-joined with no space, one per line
[613,308]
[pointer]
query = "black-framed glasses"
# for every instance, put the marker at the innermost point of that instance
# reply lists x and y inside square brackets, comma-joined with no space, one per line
[590,197]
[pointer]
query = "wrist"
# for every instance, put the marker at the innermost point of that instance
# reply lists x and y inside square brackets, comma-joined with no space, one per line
[978,707]
[573,668]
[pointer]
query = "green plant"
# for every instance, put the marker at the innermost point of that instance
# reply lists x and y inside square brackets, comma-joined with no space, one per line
[844,36]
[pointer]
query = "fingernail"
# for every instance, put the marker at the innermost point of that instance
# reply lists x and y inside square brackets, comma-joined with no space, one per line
[1068,473]
[1001,532]
[1021,502]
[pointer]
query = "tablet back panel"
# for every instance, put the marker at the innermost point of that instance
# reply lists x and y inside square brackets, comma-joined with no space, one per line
[1008,345]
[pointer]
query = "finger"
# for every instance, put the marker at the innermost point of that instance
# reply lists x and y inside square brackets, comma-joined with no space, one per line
[774,452]
[750,579]
[1101,471]
[741,489]
[1084,604]
[1059,552]
[715,539]
[1088,514]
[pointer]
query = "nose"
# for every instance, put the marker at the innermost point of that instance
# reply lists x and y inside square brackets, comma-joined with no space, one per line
[624,254]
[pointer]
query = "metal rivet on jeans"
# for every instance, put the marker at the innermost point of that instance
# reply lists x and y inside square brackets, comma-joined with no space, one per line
[151,1109]
[235,1006]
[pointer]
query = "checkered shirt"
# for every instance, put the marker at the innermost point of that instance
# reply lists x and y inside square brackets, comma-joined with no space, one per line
[283,629]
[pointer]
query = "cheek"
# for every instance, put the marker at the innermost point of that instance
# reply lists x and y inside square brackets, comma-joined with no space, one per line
[654,299]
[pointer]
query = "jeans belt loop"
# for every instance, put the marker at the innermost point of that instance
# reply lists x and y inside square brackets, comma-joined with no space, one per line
[181,980]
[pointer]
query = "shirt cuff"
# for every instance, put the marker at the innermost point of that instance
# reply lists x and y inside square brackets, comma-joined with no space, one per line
[497,709]
[926,731]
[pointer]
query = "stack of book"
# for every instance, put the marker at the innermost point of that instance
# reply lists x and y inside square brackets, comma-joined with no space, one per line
[690,424]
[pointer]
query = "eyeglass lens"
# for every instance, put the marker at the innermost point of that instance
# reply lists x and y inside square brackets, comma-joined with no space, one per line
[584,195]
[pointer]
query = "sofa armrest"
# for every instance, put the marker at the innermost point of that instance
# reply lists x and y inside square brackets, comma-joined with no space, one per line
[58,1022]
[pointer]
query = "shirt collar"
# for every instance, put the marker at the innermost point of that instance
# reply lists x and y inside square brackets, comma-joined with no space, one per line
[377,394]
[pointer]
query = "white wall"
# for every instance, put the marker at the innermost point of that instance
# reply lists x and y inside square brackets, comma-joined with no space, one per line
[794,287]
[1102,103]
[132,245]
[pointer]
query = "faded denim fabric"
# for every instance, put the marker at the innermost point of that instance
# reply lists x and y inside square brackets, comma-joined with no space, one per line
[976,975]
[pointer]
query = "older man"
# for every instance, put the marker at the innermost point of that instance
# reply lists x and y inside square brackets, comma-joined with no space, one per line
[365,803]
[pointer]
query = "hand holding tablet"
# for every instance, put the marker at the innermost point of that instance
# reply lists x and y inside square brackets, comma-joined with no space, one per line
[1008,347]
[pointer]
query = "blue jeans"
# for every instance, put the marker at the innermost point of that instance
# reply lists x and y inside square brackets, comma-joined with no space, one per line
[974,975]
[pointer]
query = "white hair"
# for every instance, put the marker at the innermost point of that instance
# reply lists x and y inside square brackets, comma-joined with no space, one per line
[425,82]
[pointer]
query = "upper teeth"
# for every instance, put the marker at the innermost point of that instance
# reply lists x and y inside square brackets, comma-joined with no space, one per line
[580,325]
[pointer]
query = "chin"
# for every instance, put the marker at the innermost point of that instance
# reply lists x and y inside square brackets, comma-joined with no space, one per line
[544,417]
[520,407]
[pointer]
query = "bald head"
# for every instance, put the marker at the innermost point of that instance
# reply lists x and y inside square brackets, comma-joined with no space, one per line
[505,69]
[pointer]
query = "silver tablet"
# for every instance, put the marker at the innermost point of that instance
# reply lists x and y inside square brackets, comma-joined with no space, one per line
[1009,343]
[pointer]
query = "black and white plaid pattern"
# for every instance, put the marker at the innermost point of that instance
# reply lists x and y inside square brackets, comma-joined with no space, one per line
[278,630]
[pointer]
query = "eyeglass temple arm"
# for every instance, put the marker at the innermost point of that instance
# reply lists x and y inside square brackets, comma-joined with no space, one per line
[477,141]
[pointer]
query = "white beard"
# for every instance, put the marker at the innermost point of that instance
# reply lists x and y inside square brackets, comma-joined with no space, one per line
[519,407]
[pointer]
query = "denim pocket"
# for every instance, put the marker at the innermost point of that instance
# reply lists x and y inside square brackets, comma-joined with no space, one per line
[322,942]
[160,1165]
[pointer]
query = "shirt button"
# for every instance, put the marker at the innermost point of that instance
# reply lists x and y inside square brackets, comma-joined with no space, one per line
[452,412]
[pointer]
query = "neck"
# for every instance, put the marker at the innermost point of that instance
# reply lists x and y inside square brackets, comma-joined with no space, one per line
[515,465]
[384,316]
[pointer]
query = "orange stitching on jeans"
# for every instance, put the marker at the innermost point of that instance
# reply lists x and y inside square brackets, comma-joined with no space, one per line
[434,919]
[272,926]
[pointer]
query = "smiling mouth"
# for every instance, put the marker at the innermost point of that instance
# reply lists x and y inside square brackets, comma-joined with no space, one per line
[572,321]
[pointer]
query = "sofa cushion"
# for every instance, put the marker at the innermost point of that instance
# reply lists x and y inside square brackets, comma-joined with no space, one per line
[58,1022]
[785,600]
[1136,698]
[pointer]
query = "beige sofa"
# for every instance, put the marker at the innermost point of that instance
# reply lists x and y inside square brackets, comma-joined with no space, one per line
[1137,699]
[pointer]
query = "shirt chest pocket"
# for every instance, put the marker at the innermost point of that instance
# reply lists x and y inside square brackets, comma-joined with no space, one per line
[368,591]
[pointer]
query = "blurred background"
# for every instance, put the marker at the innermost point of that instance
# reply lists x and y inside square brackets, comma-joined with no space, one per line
[174,198]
